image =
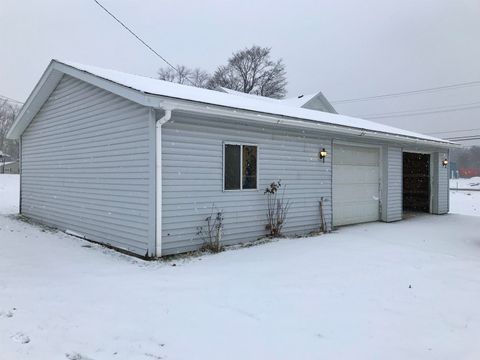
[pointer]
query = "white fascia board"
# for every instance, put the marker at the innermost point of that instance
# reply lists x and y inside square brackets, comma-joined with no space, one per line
[37,98]
[231,113]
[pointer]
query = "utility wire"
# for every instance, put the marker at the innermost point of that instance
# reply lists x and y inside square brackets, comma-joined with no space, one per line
[424,111]
[452,131]
[140,39]
[473,137]
[406,93]
[467,138]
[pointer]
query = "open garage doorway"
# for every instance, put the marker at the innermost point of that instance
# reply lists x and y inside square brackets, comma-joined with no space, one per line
[416,182]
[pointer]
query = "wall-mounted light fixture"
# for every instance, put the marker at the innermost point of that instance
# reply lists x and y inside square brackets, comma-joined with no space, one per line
[445,162]
[323,154]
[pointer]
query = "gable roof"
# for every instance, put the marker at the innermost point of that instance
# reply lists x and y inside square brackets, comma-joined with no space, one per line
[316,101]
[160,94]
[299,101]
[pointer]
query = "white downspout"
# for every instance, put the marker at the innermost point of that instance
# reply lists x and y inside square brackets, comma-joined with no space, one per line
[158,193]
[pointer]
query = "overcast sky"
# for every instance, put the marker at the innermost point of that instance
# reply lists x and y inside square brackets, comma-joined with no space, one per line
[345,48]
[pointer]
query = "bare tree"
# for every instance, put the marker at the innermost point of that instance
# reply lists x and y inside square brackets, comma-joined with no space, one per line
[253,72]
[167,74]
[199,78]
[8,113]
[184,75]
[467,157]
[179,76]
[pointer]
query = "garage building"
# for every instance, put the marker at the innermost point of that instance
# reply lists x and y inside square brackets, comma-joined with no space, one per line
[138,163]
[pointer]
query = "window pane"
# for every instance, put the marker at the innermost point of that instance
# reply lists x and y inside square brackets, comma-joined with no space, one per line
[232,167]
[249,167]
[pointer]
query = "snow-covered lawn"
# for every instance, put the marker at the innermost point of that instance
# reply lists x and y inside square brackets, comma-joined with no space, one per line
[471,183]
[465,202]
[406,290]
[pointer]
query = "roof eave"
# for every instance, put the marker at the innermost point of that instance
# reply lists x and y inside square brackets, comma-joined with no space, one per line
[50,79]
[56,70]
[36,99]
[235,113]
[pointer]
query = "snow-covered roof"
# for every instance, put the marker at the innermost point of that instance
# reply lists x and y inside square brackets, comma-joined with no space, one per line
[249,96]
[164,89]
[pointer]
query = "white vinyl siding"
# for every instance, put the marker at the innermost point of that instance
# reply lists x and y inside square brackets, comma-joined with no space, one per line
[394,165]
[87,165]
[440,184]
[192,168]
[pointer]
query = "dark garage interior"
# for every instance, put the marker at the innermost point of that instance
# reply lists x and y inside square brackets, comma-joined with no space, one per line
[416,182]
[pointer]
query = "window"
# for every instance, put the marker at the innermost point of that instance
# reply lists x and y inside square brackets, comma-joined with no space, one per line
[240,167]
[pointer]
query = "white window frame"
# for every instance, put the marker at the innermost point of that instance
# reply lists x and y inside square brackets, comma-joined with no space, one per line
[241,144]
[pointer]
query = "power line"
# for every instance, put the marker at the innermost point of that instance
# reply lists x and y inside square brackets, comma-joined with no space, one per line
[426,111]
[466,138]
[10,99]
[446,107]
[406,93]
[139,39]
[452,131]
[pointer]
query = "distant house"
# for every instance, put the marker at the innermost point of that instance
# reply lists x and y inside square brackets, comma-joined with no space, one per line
[7,165]
[138,163]
[316,101]
[10,167]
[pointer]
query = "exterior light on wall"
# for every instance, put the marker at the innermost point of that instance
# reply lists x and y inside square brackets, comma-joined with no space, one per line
[323,154]
[445,162]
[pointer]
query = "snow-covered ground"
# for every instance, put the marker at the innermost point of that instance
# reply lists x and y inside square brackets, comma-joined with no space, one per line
[465,202]
[471,183]
[406,290]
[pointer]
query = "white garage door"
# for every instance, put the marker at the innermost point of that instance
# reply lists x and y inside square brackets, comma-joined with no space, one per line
[356,179]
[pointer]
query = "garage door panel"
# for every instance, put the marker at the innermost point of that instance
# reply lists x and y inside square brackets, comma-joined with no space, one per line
[356,175]
[355,213]
[355,155]
[356,192]
[349,174]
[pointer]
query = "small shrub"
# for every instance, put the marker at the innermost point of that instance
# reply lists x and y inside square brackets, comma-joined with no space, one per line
[277,209]
[212,232]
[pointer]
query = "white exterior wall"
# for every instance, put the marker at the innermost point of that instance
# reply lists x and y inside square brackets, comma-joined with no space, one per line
[441,192]
[394,181]
[192,166]
[88,166]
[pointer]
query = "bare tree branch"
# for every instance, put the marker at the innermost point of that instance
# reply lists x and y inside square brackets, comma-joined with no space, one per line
[250,70]
[8,113]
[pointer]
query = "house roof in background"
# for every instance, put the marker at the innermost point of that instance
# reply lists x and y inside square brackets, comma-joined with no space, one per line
[316,101]
[300,101]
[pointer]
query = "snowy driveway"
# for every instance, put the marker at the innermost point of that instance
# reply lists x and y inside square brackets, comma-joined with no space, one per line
[407,290]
